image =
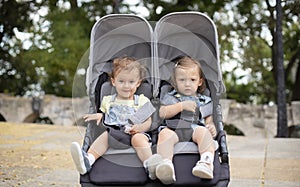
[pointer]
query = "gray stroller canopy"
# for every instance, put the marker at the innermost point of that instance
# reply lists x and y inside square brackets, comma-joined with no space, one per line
[187,33]
[176,34]
[115,36]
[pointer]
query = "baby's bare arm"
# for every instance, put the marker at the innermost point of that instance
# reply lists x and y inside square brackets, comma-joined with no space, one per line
[168,111]
[90,117]
[144,127]
[211,126]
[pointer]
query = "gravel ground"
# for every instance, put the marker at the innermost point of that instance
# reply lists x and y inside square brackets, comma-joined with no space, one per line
[37,155]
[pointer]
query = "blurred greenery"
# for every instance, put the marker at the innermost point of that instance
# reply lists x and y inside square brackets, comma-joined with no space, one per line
[58,34]
[232,130]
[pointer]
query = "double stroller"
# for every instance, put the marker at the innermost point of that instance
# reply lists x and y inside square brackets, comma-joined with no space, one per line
[177,34]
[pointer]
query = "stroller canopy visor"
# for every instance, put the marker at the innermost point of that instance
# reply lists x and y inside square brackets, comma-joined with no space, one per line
[192,34]
[118,36]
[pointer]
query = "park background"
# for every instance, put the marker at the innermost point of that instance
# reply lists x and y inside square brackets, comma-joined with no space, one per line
[45,44]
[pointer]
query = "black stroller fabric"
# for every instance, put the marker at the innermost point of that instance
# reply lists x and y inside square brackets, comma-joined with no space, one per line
[130,35]
[108,173]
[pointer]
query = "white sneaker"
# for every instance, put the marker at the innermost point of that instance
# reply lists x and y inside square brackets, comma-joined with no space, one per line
[150,165]
[165,172]
[204,170]
[80,158]
[216,145]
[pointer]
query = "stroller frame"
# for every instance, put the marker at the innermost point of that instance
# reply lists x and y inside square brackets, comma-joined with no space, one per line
[130,35]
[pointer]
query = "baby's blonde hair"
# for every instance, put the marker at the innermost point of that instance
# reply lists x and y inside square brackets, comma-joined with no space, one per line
[127,63]
[187,62]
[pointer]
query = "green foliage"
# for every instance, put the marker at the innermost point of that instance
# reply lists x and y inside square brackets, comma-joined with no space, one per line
[61,37]
[159,8]
[69,41]
[257,57]
[253,26]
[232,130]
[14,75]
[17,77]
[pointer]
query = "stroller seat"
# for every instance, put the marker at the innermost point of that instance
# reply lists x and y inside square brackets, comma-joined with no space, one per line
[115,36]
[192,34]
[117,166]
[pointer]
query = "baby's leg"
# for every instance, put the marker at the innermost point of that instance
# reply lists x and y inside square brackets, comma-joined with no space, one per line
[165,147]
[206,147]
[99,146]
[140,143]
[167,138]
[83,160]
[204,140]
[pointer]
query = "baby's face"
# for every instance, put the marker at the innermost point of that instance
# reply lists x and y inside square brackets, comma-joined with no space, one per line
[126,83]
[187,81]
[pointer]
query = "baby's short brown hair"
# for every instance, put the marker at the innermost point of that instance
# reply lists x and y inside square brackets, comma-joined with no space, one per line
[127,63]
[188,62]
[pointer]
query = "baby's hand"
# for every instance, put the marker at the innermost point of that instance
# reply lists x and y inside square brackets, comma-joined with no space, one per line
[189,106]
[212,129]
[135,129]
[90,117]
[127,129]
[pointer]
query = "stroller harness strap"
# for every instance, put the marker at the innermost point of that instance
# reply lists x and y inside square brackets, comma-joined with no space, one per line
[204,106]
[141,114]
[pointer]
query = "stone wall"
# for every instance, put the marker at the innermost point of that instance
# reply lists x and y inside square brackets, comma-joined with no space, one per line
[257,120]
[252,120]
[14,109]
[60,110]
[64,111]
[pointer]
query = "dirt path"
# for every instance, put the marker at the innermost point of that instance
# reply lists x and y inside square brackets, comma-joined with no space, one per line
[37,155]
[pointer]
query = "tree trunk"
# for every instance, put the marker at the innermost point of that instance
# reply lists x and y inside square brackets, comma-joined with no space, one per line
[116,6]
[282,130]
[74,4]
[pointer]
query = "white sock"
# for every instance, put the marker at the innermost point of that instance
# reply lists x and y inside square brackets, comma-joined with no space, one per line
[145,163]
[207,156]
[91,159]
